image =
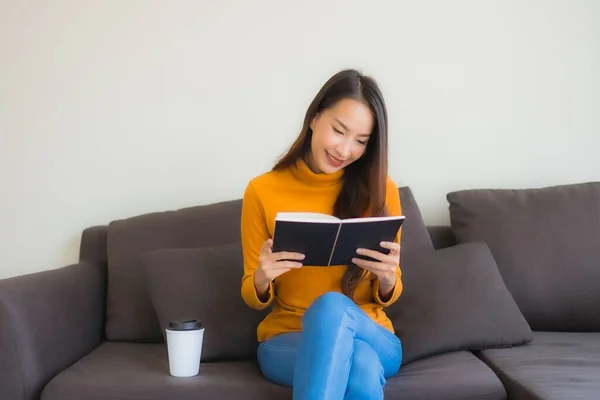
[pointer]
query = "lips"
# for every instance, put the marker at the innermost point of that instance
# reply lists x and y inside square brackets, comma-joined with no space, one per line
[335,162]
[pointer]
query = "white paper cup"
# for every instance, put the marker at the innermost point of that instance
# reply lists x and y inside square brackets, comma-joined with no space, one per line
[184,343]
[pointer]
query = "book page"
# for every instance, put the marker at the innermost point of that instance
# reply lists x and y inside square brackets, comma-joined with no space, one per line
[372,219]
[306,217]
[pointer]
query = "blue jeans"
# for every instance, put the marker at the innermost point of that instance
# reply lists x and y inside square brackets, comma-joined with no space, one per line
[341,353]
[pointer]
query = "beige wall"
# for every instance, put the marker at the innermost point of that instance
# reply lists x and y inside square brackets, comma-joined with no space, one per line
[114,108]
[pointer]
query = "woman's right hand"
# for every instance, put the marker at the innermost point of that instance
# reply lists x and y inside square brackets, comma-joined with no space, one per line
[271,265]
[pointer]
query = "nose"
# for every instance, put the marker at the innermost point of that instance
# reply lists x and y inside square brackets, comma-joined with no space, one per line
[344,149]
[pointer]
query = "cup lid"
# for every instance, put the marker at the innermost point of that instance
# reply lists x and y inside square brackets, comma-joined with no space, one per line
[185,325]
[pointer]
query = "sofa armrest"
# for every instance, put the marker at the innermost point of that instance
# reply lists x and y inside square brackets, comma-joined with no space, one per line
[48,321]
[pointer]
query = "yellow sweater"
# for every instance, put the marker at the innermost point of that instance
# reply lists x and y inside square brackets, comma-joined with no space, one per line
[298,189]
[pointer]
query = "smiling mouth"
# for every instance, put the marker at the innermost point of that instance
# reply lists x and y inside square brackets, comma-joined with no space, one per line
[336,162]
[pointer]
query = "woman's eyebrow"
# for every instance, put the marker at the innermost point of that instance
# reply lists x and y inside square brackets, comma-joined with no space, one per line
[340,122]
[346,128]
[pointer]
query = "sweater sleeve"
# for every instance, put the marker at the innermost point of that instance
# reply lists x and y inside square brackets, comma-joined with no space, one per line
[394,207]
[254,233]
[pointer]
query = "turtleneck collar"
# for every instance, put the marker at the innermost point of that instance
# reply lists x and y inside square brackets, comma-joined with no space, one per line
[303,173]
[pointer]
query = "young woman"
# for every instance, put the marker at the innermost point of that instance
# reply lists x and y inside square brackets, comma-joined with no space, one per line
[327,335]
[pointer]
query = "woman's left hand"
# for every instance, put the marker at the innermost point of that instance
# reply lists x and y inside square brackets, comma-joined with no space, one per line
[386,265]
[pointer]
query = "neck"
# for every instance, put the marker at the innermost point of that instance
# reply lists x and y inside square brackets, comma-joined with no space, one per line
[306,174]
[309,160]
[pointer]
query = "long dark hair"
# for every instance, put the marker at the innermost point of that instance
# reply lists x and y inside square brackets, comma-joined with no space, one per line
[364,181]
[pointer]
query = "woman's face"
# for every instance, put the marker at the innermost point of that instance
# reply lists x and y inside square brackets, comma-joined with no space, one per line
[340,136]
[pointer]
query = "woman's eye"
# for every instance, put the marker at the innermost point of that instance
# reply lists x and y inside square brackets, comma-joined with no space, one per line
[338,131]
[362,143]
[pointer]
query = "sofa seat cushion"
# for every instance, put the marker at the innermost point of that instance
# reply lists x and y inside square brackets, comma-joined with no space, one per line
[555,366]
[450,376]
[137,371]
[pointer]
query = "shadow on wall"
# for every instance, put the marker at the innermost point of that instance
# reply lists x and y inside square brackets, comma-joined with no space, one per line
[69,251]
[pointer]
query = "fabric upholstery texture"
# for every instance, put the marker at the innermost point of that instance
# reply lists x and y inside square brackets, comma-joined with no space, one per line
[455,299]
[546,243]
[134,371]
[130,313]
[204,284]
[555,366]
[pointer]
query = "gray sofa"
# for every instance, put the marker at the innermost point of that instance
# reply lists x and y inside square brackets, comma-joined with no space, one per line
[504,303]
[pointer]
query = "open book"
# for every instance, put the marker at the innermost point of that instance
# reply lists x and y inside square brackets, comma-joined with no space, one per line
[326,240]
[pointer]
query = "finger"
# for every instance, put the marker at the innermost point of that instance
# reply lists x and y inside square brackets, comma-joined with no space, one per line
[392,246]
[371,253]
[286,255]
[266,247]
[286,264]
[373,266]
[385,258]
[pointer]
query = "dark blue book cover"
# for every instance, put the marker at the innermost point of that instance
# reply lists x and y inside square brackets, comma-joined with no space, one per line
[326,240]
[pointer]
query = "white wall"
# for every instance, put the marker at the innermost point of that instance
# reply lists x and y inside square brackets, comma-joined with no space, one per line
[114,108]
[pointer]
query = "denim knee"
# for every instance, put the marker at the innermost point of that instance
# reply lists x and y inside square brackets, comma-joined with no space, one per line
[329,307]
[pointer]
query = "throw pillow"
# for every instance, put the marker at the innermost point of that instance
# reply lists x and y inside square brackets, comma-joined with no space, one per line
[454,299]
[204,284]
[546,243]
[129,311]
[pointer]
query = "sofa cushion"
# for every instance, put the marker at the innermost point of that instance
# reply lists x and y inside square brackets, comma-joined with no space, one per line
[451,376]
[546,243]
[454,299]
[130,314]
[140,371]
[555,366]
[415,236]
[441,236]
[204,284]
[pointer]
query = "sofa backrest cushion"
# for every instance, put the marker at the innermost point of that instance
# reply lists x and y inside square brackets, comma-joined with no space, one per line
[546,242]
[204,284]
[441,236]
[130,313]
[415,236]
[93,245]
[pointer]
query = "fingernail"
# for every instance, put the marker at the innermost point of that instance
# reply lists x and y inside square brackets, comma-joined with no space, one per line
[354,260]
[359,251]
